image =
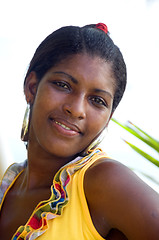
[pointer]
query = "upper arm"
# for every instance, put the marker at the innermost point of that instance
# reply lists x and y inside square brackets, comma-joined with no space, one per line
[126,202]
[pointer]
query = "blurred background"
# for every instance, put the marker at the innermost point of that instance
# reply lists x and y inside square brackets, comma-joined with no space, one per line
[134,27]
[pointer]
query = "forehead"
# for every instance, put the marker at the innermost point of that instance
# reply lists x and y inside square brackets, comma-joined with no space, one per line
[91,70]
[87,62]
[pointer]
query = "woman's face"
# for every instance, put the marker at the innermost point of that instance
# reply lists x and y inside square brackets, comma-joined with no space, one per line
[72,105]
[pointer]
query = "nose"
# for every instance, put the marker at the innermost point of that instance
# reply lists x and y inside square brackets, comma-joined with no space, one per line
[75,107]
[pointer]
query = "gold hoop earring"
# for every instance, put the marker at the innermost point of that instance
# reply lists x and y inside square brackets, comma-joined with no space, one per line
[94,144]
[25,126]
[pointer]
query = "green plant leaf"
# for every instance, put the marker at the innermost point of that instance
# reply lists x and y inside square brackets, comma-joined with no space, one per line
[144,154]
[152,142]
[140,134]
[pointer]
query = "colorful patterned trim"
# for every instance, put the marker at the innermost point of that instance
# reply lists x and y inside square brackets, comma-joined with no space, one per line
[10,175]
[45,210]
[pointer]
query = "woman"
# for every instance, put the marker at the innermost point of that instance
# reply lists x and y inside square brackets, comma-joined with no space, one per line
[68,189]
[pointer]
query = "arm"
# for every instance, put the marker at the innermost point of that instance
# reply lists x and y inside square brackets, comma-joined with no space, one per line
[123,200]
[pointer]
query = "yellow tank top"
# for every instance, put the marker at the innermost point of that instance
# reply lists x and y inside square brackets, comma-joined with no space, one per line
[75,223]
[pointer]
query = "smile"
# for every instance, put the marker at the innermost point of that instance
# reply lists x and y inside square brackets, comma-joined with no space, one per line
[62,125]
[65,127]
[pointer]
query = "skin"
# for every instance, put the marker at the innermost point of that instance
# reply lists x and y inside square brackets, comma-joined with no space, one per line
[70,94]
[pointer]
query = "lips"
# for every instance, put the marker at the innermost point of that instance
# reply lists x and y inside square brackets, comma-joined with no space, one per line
[69,128]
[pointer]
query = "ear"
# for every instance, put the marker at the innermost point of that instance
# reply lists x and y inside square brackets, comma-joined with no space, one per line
[30,87]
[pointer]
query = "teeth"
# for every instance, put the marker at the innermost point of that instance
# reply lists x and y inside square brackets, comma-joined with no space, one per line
[62,125]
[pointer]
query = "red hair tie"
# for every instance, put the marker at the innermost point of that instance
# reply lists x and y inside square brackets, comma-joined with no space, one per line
[102,27]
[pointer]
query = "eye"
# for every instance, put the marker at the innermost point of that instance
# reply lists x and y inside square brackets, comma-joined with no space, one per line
[98,101]
[62,85]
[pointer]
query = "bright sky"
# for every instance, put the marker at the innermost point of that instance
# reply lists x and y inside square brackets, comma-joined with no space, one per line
[133,26]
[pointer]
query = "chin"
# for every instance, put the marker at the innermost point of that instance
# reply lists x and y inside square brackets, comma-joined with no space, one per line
[60,151]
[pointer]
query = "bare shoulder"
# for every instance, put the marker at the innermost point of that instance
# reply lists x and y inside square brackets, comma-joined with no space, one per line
[123,198]
[116,177]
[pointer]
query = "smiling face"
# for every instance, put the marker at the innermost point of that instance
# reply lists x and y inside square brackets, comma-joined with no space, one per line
[72,105]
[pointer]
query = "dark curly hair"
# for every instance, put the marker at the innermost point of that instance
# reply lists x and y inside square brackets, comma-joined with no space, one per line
[71,40]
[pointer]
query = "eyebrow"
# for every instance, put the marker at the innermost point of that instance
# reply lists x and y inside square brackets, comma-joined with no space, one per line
[103,91]
[75,81]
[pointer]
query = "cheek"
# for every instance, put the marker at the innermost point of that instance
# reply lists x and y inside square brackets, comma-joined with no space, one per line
[39,111]
[43,101]
[97,122]
[49,99]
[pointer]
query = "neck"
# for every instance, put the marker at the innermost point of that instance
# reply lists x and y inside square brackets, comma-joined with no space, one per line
[41,168]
